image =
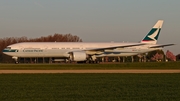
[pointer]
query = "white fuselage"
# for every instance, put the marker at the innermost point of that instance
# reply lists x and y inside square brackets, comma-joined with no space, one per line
[62,49]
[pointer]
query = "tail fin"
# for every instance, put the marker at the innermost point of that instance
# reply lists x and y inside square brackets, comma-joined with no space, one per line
[152,36]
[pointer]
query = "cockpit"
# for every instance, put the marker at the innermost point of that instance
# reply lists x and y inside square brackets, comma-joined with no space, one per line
[9,49]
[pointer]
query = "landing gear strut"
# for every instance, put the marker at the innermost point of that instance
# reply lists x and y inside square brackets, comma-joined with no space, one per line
[16,59]
[93,59]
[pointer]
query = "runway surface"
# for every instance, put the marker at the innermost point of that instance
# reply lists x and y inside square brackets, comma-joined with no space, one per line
[85,71]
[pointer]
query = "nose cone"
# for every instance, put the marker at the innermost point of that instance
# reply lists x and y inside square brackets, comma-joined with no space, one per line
[5,51]
[9,51]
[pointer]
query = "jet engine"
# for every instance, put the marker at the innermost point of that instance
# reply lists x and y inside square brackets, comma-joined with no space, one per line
[78,56]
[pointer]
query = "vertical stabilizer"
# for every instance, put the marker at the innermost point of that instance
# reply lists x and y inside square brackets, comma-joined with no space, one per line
[152,36]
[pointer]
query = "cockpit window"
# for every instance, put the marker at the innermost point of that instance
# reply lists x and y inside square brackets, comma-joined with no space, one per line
[8,47]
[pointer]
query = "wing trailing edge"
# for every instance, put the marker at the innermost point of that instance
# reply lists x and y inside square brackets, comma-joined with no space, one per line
[158,46]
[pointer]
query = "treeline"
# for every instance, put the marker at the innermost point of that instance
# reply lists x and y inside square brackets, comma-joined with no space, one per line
[4,42]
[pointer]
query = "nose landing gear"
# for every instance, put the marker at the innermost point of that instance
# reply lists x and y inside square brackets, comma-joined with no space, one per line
[16,59]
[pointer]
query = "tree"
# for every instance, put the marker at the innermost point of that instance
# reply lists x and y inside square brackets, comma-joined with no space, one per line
[157,54]
[170,56]
[178,57]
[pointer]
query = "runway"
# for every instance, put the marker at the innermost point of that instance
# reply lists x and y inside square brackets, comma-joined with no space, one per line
[85,71]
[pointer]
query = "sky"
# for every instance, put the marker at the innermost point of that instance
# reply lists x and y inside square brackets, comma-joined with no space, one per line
[92,20]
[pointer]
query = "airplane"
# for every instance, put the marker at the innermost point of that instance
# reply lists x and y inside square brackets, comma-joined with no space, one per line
[85,51]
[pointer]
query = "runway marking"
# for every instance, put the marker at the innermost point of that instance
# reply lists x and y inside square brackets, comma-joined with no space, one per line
[85,71]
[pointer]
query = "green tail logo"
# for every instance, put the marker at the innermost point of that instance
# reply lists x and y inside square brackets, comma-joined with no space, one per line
[152,36]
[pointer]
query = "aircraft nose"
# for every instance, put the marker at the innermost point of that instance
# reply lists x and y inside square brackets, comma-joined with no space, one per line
[9,51]
[5,51]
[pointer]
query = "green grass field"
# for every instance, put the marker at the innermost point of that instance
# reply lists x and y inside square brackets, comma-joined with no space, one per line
[137,65]
[89,87]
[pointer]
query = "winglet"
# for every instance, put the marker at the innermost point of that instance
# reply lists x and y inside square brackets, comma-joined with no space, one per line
[152,36]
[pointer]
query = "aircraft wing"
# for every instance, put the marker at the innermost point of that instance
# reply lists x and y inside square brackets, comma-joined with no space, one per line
[100,50]
[157,46]
[114,47]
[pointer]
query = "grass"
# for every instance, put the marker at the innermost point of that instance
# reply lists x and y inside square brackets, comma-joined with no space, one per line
[89,87]
[147,65]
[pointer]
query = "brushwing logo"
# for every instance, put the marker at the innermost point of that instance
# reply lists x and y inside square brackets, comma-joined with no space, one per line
[154,35]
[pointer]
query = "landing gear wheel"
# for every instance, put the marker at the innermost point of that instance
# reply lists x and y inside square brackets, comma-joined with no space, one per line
[16,62]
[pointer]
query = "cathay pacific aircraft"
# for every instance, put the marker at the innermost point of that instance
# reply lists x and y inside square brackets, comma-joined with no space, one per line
[85,51]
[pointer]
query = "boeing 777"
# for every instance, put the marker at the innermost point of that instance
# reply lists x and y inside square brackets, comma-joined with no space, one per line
[85,51]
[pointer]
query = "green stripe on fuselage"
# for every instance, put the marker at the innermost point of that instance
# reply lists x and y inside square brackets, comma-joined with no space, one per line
[14,50]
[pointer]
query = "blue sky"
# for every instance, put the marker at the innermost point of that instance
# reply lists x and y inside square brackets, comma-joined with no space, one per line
[91,20]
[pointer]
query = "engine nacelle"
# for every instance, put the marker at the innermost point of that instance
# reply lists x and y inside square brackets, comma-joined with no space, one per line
[78,56]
